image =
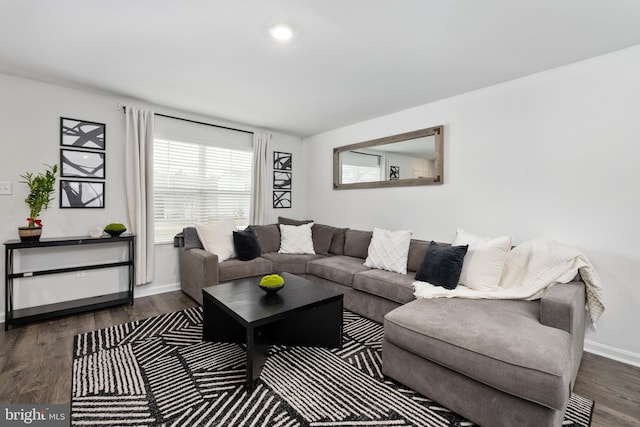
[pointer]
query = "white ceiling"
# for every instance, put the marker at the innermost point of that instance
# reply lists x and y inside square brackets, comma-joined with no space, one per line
[352,59]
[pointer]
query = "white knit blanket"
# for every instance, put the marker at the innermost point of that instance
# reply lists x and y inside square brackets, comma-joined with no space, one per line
[530,268]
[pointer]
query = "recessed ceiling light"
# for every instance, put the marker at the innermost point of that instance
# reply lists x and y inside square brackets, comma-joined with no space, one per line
[281,32]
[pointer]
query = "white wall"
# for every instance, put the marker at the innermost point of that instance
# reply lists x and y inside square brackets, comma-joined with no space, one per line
[554,154]
[551,155]
[30,112]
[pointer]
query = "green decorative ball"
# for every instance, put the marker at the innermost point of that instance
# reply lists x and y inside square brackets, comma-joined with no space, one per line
[115,229]
[272,281]
[114,226]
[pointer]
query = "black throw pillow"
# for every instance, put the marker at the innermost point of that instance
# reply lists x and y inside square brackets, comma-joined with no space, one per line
[246,244]
[442,265]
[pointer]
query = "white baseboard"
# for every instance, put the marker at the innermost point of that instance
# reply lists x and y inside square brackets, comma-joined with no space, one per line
[143,291]
[624,356]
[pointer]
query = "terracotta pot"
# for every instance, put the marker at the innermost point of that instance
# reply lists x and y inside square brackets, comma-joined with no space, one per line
[29,234]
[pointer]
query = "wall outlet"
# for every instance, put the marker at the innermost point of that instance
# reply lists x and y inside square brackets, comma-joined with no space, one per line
[5,187]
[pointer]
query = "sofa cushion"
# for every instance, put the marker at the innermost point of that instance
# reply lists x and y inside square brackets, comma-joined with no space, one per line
[337,242]
[322,235]
[246,244]
[442,265]
[218,238]
[417,252]
[296,239]
[484,260]
[386,284]
[289,221]
[340,268]
[356,243]
[233,269]
[290,263]
[268,237]
[500,343]
[389,250]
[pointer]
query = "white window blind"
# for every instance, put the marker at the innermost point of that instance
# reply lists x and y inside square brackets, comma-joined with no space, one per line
[359,167]
[199,183]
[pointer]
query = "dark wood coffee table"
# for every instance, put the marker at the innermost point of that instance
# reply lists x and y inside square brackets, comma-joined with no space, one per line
[301,313]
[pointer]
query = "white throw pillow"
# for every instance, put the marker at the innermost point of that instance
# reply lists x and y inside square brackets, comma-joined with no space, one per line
[389,250]
[484,261]
[218,239]
[296,239]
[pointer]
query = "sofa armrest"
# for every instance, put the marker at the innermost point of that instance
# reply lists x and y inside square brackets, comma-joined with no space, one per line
[198,269]
[563,307]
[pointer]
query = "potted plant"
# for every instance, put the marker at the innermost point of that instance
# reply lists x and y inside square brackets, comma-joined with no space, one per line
[41,188]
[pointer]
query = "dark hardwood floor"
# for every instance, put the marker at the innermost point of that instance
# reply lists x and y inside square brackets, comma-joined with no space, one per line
[36,358]
[614,386]
[35,362]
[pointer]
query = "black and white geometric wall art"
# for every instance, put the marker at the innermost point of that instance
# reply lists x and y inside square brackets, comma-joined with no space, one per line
[281,199]
[82,134]
[81,194]
[281,180]
[82,164]
[282,176]
[282,161]
[394,172]
[82,156]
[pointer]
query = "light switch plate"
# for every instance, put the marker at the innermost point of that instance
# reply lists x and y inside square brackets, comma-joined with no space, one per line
[5,188]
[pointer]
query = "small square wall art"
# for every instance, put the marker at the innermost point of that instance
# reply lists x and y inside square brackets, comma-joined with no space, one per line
[281,199]
[282,161]
[281,180]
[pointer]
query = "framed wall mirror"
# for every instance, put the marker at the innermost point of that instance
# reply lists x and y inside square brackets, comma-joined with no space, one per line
[412,158]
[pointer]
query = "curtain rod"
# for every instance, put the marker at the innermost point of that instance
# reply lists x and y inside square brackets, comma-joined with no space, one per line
[194,121]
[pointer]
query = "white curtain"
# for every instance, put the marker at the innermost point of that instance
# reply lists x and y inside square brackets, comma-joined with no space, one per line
[139,187]
[260,181]
[384,167]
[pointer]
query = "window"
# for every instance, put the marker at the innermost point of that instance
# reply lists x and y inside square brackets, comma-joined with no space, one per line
[199,183]
[360,167]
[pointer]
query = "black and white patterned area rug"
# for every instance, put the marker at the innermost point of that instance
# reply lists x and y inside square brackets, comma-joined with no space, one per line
[159,372]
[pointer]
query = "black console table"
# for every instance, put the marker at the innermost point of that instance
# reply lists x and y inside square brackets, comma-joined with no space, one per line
[48,311]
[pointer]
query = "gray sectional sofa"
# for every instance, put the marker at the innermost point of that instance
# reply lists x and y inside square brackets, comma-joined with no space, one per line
[495,362]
